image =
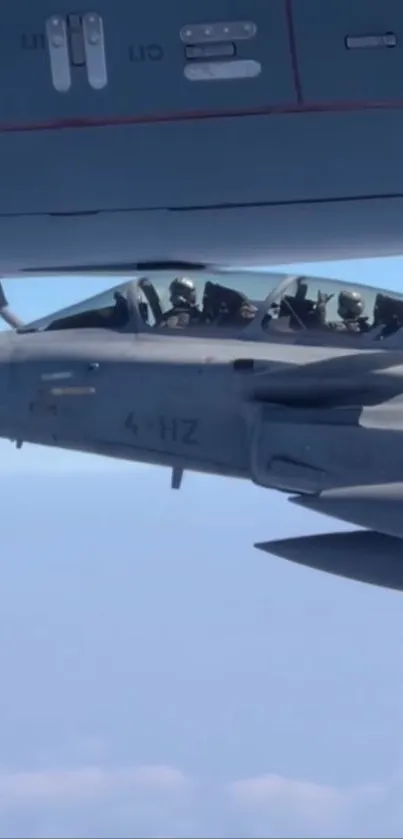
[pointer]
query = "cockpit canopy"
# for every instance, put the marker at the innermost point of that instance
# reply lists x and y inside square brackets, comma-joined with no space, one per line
[232,303]
[110,309]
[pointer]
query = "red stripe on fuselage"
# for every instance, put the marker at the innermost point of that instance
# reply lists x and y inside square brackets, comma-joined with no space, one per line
[194,116]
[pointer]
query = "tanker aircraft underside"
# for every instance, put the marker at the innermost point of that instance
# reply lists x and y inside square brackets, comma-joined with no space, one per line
[199,131]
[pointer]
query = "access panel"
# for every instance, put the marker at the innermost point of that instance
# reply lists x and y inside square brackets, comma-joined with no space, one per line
[125,60]
[349,51]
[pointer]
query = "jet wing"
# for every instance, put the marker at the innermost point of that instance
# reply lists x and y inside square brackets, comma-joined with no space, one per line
[362,555]
[372,555]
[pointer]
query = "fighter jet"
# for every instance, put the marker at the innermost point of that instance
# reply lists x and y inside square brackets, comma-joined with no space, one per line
[294,383]
[199,131]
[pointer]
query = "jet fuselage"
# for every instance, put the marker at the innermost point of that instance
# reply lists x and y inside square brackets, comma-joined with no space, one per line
[287,389]
[297,419]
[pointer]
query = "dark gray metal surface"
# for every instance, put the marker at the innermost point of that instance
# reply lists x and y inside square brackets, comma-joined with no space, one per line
[300,162]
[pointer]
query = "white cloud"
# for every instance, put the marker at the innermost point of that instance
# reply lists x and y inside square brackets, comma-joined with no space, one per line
[93,801]
[314,802]
[84,783]
[160,801]
[286,807]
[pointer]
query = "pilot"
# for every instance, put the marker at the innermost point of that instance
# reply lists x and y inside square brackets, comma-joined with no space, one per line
[184,310]
[350,308]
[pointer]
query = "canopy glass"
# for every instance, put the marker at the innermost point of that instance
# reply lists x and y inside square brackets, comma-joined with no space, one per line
[229,302]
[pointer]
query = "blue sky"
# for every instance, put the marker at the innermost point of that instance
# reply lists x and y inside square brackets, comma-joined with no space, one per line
[170,680]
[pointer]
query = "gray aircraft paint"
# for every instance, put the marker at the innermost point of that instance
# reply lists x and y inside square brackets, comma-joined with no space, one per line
[305,416]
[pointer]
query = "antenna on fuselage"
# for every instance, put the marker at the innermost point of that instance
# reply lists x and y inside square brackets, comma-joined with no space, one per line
[176,477]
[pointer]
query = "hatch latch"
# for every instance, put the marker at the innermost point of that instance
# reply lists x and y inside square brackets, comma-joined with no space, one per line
[76,41]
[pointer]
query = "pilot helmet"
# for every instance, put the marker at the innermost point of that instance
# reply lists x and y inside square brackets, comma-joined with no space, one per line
[350,305]
[182,291]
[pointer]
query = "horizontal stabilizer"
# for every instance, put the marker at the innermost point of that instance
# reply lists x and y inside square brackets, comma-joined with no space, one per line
[378,507]
[361,555]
